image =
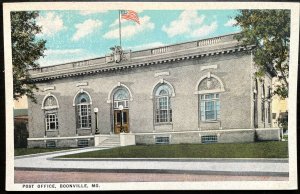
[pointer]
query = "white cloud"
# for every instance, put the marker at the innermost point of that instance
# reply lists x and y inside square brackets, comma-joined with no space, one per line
[230,22]
[205,30]
[60,56]
[85,28]
[130,30]
[50,23]
[89,12]
[184,24]
[147,45]
[116,23]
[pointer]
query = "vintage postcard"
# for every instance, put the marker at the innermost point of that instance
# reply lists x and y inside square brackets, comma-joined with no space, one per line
[151,96]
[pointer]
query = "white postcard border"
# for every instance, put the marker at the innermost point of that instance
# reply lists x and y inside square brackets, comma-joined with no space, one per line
[212,185]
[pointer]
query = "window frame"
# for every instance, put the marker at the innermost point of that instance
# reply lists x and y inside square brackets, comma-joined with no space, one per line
[209,139]
[48,122]
[83,106]
[50,110]
[216,107]
[87,117]
[51,144]
[162,140]
[118,101]
[165,112]
[83,143]
[269,119]
[263,107]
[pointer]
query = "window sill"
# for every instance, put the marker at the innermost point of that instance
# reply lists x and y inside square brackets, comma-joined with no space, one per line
[158,124]
[213,121]
[51,130]
[84,128]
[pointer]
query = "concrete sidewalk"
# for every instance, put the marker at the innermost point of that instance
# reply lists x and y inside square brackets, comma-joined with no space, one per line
[209,166]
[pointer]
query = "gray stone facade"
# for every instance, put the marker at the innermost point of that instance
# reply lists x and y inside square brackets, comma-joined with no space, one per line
[216,65]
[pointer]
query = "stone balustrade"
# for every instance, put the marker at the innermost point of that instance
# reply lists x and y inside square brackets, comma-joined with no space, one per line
[165,50]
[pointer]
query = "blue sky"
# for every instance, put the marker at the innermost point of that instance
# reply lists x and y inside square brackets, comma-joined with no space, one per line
[79,35]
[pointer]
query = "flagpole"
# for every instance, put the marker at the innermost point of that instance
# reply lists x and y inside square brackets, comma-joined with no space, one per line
[120,27]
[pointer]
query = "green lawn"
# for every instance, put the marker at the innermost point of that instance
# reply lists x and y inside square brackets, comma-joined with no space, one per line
[274,149]
[26,151]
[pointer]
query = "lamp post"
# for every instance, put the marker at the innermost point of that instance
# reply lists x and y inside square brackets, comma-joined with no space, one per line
[121,110]
[96,120]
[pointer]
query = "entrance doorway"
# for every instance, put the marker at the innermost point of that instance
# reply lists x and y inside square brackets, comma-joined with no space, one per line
[121,111]
[121,121]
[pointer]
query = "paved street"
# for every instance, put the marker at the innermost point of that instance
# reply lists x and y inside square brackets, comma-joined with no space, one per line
[101,177]
[145,169]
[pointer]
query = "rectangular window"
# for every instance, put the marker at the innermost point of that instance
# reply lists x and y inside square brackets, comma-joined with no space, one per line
[269,112]
[209,139]
[209,107]
[84,116]
[162,140]
[262,110]
[50,144]
[269,105]
[273,115]
[51,121]
[124,117]
[124,103]
[163,110]
[83,143]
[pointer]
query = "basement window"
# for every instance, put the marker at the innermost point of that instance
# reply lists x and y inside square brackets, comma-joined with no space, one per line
[209,139]
[162,140]
[50,144]
[83,143]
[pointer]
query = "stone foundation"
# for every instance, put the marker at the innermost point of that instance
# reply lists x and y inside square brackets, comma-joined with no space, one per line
[59,142]
[268,134]
[210,136]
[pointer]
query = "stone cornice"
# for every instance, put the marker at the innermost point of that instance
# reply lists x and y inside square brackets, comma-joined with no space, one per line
[196,52]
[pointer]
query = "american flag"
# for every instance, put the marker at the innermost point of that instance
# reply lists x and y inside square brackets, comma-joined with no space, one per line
[130,15]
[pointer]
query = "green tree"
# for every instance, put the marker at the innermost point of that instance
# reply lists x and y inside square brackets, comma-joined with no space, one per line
[26,50]
[269,31]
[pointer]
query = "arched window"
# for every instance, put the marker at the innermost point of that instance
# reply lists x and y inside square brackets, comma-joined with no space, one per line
[83,110]
[209,89]
[163,109]
[121,97]
[50,106]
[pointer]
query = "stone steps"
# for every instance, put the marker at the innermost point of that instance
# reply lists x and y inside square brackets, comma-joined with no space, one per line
[112,142]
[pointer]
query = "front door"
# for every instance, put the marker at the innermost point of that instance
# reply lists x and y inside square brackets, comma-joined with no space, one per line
[121,121]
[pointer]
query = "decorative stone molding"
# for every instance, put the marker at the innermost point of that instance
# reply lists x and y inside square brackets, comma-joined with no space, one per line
[162,73]
[102,65]
[160,50]
[41,77]
[208,67]
[81,63]
[49,88]
[209,41]
[119,84]
[79,92]
[209,88]
[161,81]
[49,107]
[58,138]
[82,84]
